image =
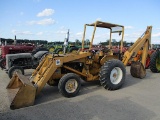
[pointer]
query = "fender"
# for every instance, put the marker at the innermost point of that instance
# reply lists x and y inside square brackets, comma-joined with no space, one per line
[39,54]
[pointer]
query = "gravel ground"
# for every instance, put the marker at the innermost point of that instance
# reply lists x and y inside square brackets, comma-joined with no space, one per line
[139,99]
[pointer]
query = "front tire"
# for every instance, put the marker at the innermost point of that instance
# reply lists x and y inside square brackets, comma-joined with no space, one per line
[14,69]
[69,85]
[112,74]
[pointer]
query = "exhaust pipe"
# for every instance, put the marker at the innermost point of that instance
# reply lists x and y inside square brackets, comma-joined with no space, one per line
[66,40]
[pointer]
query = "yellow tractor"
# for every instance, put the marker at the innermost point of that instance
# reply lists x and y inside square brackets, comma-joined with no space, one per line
[91,64]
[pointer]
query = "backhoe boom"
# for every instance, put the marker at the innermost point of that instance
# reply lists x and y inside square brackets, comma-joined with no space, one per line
[142,43]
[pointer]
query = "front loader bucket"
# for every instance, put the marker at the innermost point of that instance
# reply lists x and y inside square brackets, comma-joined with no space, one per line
[137,70]
[20,91]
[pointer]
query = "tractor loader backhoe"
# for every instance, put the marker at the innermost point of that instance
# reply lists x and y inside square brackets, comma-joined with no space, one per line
[67,70]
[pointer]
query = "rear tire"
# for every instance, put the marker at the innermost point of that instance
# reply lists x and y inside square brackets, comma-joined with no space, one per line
[112,74]
[69,85]
[155,62]
[14,69]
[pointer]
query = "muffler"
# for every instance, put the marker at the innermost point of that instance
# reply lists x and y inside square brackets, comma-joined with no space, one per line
[137,69]
[21,91]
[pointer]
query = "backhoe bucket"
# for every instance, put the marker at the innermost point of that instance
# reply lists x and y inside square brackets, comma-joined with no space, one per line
[137,70]
[21,91]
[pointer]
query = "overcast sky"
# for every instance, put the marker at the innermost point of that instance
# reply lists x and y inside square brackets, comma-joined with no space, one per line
[50,19]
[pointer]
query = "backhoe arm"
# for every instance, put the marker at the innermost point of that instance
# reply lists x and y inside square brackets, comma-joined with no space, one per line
[143,43]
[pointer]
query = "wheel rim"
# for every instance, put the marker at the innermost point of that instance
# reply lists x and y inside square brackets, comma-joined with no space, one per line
[71,86]
[51,49]
[116,75]
[158,64]
[60,52]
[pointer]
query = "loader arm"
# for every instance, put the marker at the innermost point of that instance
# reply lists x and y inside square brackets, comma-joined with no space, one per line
[143,43]
[48,67]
